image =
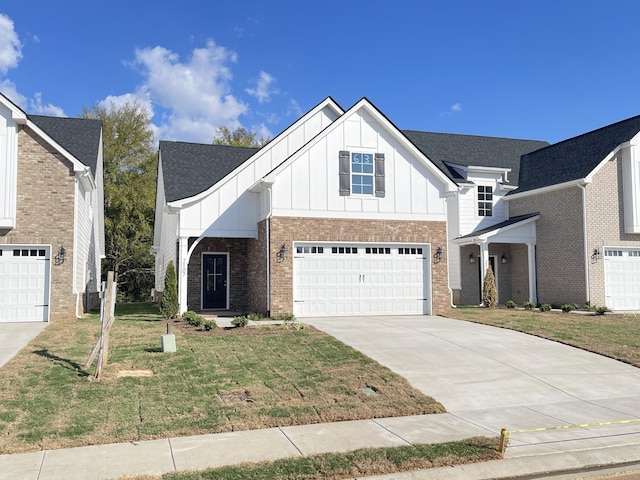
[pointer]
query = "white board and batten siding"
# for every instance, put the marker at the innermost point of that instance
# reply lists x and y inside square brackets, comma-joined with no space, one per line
[469,220]
[622,278]
[8,168]
[231,209]
[308,185]
[25,273]
[345,279]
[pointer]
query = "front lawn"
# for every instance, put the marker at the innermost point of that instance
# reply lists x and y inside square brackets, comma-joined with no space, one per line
[262,378]
[613,335]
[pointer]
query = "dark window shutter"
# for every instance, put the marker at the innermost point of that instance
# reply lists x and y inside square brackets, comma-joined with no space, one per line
[345,173]
[379,180]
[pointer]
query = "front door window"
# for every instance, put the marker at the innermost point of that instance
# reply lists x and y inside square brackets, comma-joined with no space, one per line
[214,281]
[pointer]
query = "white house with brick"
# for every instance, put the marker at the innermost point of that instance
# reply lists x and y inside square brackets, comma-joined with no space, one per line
[51,215]
[344,214]
[340,214]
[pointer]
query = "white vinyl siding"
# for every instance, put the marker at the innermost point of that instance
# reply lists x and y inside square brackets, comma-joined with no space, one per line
[8,169]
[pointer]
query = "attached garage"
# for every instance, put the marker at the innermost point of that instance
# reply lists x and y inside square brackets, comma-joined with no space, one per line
[361,279]
[24,283]
[622,278]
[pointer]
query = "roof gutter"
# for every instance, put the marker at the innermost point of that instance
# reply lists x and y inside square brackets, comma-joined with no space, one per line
[552,188]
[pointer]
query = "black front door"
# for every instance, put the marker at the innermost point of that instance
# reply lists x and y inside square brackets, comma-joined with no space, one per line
[214,281]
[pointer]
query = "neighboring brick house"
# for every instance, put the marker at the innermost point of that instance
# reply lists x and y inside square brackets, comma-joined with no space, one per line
[51,215]
[340,214]
[292,227]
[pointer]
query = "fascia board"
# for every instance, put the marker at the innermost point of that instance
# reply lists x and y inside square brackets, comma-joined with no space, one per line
[328,102]
[17,114]
[78,166]
[485,236]
[605,160]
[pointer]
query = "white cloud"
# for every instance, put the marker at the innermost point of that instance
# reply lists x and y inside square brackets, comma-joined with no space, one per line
[36,107]
[293,109]
[263,89]
[456,107]
[10,46]
[196,93]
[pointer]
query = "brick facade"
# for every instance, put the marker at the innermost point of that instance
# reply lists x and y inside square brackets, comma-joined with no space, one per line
[286,230]
[560,239]
[605,223]
[45,214]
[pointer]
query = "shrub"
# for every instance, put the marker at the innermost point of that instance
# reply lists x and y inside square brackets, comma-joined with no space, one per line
[567,307]
[511,304]
[255,316]
[240,321]
[284,317]
[528,305]
[169,306]
[489,291]
[210,325]
[601,310]
[192,318]
[545,307]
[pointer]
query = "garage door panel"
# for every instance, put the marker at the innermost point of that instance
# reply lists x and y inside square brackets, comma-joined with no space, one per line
[622,278]
[361,279]
[24,283]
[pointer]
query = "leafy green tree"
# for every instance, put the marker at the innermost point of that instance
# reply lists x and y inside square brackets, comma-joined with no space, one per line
[130,160]
[240,137]
[169,306]
[489,291]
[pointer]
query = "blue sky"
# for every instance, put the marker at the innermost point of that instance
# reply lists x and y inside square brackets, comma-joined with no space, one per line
[544,70]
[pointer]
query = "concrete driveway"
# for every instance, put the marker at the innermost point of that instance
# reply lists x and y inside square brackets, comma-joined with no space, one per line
[495,378]
[15,336]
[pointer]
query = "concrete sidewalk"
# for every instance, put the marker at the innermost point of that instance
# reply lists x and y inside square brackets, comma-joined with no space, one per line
[156,457]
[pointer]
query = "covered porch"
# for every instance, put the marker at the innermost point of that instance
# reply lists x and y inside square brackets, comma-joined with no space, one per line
[509,247]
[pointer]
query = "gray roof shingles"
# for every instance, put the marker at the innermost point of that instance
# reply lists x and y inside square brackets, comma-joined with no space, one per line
[506,223]
[191,168]
[473,150]
[79,136]
[575,158]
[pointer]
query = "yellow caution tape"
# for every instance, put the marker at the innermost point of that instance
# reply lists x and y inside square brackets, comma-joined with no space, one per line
[582,425]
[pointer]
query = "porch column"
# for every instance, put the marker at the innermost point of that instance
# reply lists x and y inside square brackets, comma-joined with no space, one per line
[484,261]
[183,267]
[531,255]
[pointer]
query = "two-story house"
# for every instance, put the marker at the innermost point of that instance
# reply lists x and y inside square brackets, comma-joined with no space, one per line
[51,215]
[344,214]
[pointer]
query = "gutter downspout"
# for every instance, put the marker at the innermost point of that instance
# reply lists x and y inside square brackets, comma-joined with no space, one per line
[583,187]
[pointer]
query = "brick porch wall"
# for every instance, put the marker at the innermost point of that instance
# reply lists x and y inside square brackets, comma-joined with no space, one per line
[289,229]
[470,293]
[45,214]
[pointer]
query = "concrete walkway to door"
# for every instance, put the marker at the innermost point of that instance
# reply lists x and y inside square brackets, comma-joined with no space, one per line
[495,378]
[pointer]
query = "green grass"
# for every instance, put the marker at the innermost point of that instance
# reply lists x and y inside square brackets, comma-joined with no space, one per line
[358,463]
[49,400]
[613,335]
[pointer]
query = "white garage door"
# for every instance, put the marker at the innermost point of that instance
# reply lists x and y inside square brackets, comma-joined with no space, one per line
[622,278]
[361,279]
[24,283]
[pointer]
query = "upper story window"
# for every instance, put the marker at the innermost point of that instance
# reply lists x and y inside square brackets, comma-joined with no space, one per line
[485,201]
[362,174]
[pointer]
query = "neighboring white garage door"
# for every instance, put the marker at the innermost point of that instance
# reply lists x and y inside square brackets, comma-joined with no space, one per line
[361,279]
[622,278]
[24,283]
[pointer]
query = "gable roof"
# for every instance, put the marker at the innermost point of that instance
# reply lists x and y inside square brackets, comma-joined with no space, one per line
[507,223]
[575,158]
[79,136]
[473,150]
[191,168]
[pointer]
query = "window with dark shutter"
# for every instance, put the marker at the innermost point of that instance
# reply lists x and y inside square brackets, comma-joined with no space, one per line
[345,173]
[379,175]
